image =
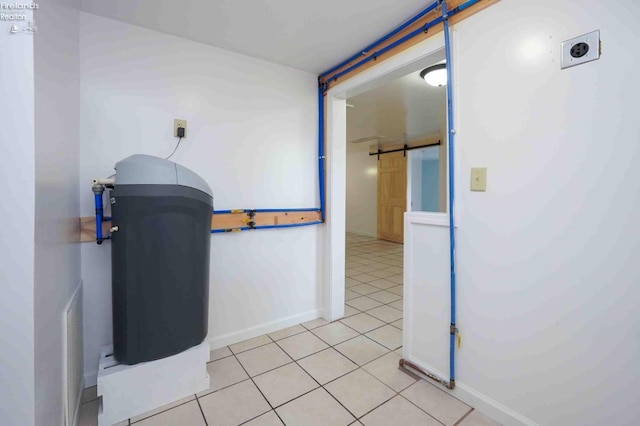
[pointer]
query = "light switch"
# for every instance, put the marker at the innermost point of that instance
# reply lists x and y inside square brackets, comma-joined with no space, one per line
[479,179]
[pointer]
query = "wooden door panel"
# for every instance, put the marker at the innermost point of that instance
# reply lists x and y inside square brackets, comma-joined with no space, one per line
[392,196]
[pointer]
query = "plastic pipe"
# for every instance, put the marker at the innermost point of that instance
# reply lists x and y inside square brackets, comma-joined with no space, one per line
[412,34]
[288,225]
[103,181]
[310,209]
[222,231]
[382,39]
[452,230]
[246,228]
[422,29]
[97,196]
[321,150]
[462,7]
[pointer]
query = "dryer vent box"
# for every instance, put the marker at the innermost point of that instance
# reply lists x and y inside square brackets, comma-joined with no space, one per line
[579,50]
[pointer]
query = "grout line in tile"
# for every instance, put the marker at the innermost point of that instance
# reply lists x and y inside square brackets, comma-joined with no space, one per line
[375,377]
[253,381]
[463,417]
[374,359]
[202,412]
[291,335]
[318,383]
[282,349]
[442,389]
[281,419]
[410,402]
[381,304]
[224,357]
[332,380]
[330,394]
[160,412]
[385,324]
[228,386]
[251,419]
[247,350]
[301,395]
[337,378]
[384,402]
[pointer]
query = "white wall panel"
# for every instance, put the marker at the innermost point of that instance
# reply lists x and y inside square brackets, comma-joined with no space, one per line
[252,135]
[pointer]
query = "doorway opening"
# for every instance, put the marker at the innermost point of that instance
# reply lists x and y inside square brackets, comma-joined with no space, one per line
[395,161]
[411,61]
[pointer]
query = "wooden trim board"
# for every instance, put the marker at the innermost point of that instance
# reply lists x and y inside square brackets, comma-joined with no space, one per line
[437,12]
[218,222]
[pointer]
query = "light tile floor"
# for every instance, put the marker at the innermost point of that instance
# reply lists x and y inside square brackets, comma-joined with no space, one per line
[321,373]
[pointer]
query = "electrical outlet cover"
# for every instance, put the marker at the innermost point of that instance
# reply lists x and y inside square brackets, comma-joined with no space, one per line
[177,122]
[579,50]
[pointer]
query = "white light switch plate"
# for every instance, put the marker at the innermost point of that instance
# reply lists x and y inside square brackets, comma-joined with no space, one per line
[479,179]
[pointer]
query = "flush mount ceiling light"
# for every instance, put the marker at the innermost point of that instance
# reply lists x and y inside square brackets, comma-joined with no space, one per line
[435,75]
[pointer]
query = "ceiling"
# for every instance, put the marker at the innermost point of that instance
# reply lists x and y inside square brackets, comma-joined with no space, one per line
[406,109]
[310,36]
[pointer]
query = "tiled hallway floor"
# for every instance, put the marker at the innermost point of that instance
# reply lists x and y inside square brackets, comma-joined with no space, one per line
[320,373]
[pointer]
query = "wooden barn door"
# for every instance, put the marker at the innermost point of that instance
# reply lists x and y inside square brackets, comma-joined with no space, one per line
[392,196]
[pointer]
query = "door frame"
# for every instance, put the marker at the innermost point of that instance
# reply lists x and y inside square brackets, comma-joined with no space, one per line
[419,56]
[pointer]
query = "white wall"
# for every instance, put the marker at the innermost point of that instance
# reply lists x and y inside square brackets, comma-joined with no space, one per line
[414,183]
[17,237]
[547,257]
[252,129]
[362,191]
[57,253]
[40,207]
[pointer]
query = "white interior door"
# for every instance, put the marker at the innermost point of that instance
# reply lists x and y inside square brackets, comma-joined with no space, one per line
[427,296]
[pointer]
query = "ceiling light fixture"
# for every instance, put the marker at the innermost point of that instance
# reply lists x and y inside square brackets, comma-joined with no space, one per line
[435,75]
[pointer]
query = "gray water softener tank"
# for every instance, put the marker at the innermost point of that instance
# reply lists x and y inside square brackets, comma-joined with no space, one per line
[159,258]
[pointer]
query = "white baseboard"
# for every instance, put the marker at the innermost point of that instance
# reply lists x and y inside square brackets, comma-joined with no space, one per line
[249,333]
[481,402]
[490,407]
[363,233]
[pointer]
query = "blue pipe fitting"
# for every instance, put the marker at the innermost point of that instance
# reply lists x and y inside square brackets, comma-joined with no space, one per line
[97,197]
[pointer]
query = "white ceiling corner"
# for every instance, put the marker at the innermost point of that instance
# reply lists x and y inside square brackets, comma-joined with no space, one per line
[405,109]
[310,36]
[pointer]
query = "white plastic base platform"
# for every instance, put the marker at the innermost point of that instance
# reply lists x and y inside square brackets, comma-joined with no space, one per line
[130,390]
